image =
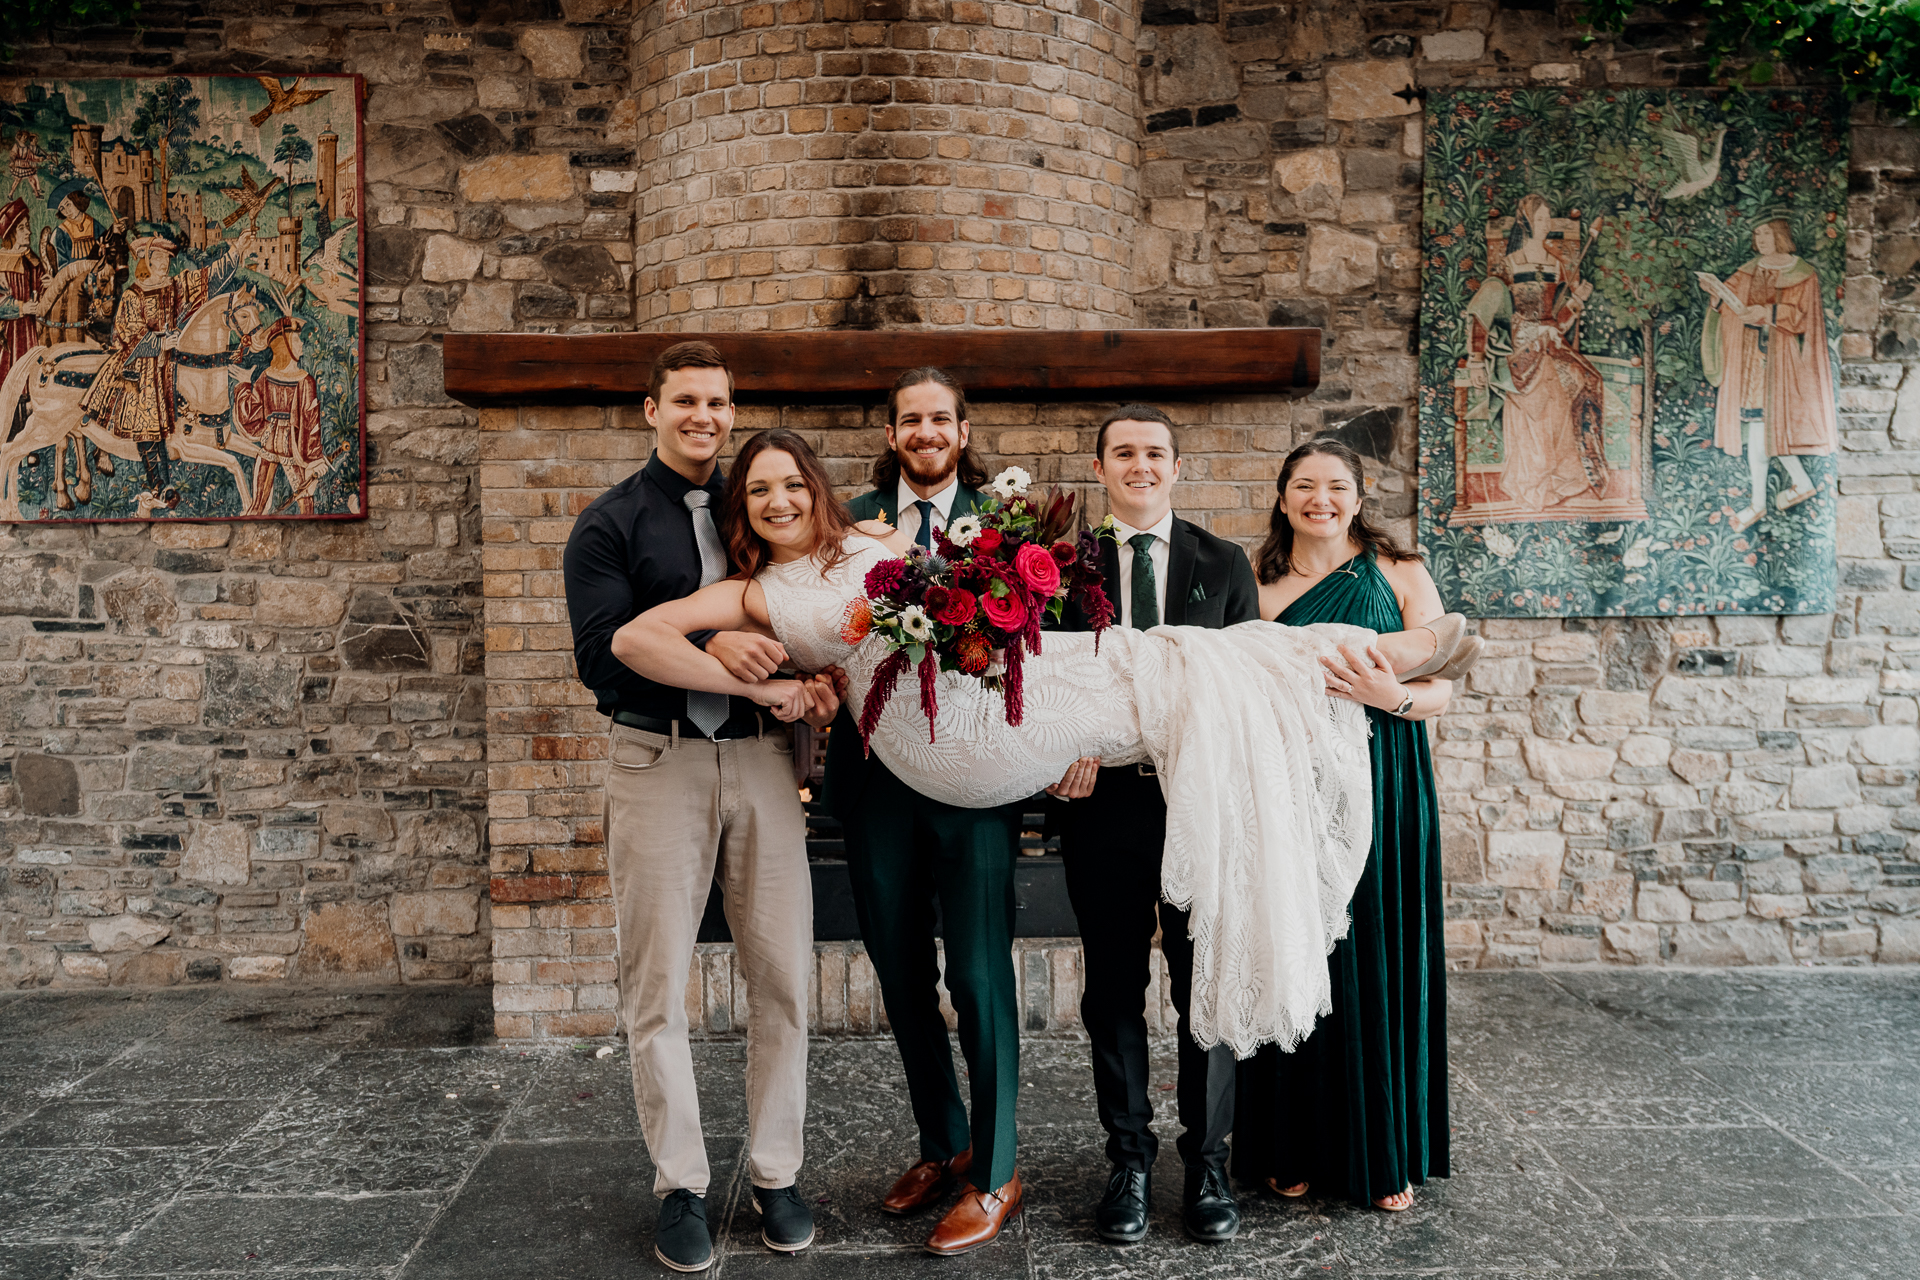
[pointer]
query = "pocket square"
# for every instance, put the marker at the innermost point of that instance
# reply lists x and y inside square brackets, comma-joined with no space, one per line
[1198,593]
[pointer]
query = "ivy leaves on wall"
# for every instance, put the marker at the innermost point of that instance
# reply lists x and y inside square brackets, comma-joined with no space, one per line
[1872,47]
[20,20]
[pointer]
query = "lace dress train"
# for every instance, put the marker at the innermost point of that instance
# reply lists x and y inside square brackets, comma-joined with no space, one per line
[1269,792]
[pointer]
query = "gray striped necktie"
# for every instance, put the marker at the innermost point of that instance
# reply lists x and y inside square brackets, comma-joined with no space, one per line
[708,710]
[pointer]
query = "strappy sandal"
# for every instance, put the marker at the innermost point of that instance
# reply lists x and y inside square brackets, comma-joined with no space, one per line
[1294,1192]
[1447,631]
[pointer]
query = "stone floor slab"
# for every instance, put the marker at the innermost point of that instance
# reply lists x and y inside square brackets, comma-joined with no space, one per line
[71,1195]
[543,1210]
[200,1235]
[378,1122]
[44,1261]
[1830,1249]
[1756,1173]
[92,1123]
[1496,1223]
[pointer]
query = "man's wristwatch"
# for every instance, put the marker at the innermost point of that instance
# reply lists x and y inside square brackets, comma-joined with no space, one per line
[1405,707]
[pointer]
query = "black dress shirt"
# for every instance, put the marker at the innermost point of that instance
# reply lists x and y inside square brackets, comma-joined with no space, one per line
[632,549]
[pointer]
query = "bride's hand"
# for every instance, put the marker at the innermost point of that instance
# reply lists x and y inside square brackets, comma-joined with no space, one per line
[1357,681]
[873,528]
[787,699]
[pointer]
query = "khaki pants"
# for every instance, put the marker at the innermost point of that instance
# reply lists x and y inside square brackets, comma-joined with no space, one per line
[677,815]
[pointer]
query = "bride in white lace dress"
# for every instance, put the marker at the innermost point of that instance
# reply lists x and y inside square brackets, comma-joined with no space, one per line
[1267,779]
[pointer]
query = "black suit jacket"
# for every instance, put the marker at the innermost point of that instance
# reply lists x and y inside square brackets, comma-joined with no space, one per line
[1210,583]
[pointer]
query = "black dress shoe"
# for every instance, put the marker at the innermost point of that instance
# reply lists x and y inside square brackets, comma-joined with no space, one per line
[1208,1209]
[1122,1215]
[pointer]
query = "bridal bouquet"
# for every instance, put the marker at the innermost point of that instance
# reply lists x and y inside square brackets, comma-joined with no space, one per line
[974,602]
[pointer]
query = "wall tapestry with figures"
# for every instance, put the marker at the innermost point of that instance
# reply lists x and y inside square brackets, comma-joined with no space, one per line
[180,327]
[1629,330]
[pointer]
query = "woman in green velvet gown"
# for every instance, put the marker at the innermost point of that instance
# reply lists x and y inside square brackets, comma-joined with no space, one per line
[1359,1110]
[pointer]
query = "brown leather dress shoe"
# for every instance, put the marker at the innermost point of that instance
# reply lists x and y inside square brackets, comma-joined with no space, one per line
[925,1183]
[976,1220]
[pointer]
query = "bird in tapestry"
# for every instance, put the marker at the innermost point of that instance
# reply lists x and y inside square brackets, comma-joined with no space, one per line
[1696,175]
[280,98]
[248,197]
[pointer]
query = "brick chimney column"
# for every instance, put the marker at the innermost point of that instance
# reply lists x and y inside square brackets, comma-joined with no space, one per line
[824,164]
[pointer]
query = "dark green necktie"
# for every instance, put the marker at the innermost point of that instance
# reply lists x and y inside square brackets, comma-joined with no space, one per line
[1146,604]
[924,537]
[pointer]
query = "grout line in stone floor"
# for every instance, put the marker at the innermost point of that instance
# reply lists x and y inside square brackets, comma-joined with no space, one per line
[1552,1162]
[452,1195]
[1766,1121]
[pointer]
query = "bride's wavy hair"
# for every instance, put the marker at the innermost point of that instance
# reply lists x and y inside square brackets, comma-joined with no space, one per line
[831,523]
[1274,561]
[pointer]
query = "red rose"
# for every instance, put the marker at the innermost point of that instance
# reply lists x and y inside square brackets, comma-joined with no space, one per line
[1064,554]
[987,541]
[957,609]
[1008,612]
[1037,569]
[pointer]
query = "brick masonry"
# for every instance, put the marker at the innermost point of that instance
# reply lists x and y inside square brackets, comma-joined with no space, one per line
[206,779]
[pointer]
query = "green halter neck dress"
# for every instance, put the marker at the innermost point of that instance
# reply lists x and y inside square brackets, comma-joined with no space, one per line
[1360,1108]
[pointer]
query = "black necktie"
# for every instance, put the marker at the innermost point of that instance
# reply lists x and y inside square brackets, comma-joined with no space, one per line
[924,538]
[1146,601]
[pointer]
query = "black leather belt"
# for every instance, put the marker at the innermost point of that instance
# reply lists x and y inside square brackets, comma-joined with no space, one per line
[733,728]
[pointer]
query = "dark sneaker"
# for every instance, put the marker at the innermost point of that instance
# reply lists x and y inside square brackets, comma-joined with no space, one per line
[681,1240]
[786,1224]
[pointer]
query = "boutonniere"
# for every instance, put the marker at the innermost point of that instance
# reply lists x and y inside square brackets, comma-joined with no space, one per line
[1198,593]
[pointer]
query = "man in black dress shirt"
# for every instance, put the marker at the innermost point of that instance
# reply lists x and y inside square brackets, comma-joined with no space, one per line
[1112,829]
[698,787]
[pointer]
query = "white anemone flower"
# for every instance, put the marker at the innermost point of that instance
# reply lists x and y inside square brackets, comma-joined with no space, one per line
[1010,482]
[915,622]
[963,531]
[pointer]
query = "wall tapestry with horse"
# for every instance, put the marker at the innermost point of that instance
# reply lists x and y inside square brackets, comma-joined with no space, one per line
[1629,331]
[180,326]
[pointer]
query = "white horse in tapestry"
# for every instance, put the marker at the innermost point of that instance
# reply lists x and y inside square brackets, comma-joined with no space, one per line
[54,380]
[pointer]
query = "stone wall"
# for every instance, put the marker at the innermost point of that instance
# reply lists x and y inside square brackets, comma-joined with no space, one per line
[256,751]
[1729,791]
[267,740]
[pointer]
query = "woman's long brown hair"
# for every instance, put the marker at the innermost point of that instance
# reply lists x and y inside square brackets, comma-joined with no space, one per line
[831,523]
[1274,561]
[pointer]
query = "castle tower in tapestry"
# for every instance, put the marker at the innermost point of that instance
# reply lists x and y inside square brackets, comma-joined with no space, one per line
[86,149]
[127,176]
[328,173]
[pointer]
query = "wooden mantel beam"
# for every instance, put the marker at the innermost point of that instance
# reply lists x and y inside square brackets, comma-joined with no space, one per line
[611,368]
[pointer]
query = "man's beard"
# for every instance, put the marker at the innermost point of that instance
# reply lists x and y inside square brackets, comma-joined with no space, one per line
[923,471]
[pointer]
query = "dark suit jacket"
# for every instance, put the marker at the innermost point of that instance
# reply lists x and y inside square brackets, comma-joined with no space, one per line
[847,767]
[1209,584]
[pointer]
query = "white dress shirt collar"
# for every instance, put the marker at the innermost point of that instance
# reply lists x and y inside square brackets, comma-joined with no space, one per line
[905,497]
[1162,529]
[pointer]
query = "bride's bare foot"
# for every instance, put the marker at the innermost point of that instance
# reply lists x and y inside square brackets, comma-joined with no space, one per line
[1293,1192]
[1405,650]
[1399,1203]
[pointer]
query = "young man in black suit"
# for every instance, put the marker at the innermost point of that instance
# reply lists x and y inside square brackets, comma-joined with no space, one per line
[1112,824]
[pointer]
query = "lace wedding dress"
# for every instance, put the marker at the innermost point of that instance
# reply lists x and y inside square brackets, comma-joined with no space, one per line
[1267,779]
